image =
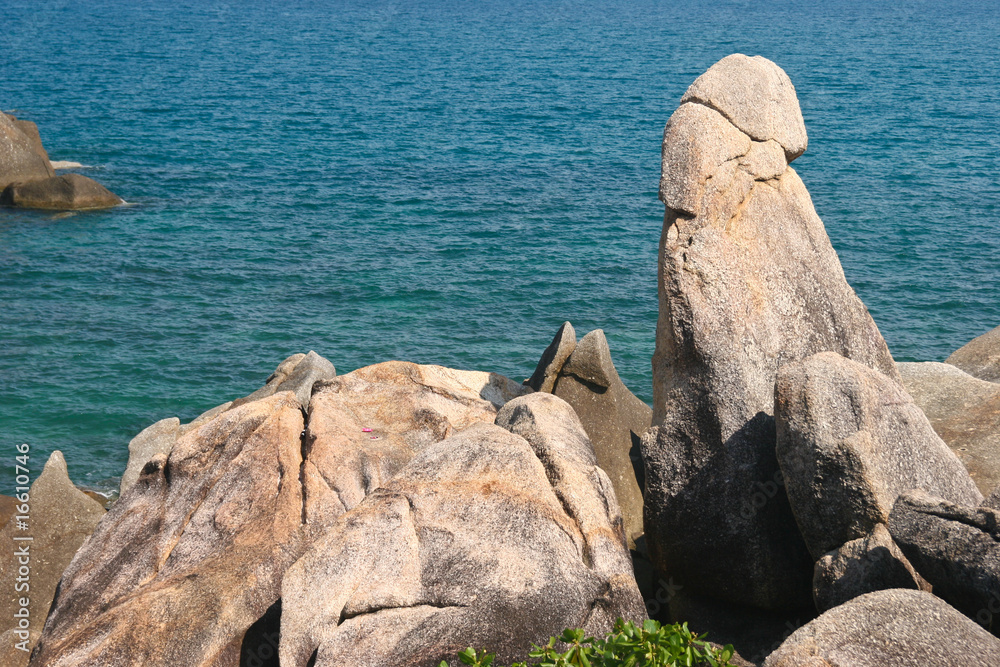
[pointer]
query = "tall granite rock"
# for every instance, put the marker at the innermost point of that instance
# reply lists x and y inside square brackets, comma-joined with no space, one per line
[748,280]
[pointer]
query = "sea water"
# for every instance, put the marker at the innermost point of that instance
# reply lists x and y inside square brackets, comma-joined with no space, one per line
[444,182]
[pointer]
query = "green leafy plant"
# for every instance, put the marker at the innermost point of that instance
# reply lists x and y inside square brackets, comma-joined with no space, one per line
[629,645]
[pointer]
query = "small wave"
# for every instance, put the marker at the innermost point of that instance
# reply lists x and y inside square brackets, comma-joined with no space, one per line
[61,164]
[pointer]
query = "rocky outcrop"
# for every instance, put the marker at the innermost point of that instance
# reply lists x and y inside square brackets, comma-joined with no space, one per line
[192,555]
[964,411]
[894,628]
[612,416]
[66,192]
[956,549]
[865,565]
[158,438]
[494,537]
[19,161]
[850,440]
[980,357]
[60,518]
[552,360]
[748,281]
[298,373]
[30,130]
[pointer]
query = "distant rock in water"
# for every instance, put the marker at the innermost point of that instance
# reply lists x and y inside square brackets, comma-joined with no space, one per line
[20,162]
[553,358]
[28,179]
[980,357]
[964,411]
[748,281]
[66,192]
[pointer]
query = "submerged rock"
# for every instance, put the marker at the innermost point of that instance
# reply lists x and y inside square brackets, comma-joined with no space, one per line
[66,192]
[494,537]
[612,416]
[748,281]
[894,628]
[980,357]
[19,159]
[59,520]
[850,440]
[964,411]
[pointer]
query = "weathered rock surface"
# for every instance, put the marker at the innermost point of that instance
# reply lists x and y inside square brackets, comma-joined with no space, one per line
[552,360]
[956,549]
[19,161]
[865,565]
[491,538]
[192,554]
[894,628]
[980,357]
[30,130]
[60,519]
[612,416]
[66,192]
[748,281]
[850,440]
[964,411]
[158,438]
[298,373]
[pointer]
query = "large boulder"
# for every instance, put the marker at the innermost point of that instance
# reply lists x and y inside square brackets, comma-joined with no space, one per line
[850,440]
[66,192]
[187,566]
[19,160]
[980,357]
[894,628]
[494,537]
[956,549]
[552,359]
[60,518]
[867,564]
[613,417]
[748,281]
[964,411]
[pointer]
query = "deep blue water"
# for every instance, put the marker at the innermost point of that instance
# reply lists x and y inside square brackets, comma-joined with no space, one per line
[444,182]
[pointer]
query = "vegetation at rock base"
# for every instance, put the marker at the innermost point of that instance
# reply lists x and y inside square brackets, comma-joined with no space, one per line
[649,645]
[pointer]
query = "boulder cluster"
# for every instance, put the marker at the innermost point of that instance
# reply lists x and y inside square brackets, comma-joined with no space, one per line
[792,491]
[28,178]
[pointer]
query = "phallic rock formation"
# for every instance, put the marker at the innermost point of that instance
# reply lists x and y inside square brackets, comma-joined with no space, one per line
[19,161]
[60,518]
[748,280]
[494,537]
[612,416]
[980,357]
[850,440]
[964,411]
[193,554]
[865,565]
[894,628]
[553,358]
[298,373]
[956,549]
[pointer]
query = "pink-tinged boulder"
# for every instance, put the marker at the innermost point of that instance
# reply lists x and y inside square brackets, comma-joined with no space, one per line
[494,537]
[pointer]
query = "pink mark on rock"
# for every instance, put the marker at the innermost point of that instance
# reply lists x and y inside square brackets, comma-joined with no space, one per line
[366,430]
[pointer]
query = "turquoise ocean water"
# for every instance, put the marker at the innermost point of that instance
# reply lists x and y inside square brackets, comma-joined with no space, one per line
[444,182]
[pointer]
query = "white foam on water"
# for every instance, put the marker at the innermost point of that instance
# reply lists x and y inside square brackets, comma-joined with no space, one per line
[60,164]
